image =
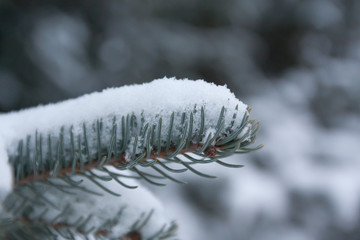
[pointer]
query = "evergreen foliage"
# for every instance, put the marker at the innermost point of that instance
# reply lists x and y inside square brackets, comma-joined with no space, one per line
[44,162]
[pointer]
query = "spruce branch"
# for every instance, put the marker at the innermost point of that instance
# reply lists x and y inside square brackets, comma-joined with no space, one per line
[25,228]
[78,156]
[147,152]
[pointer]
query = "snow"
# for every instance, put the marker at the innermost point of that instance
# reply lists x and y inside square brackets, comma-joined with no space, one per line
[5,174]
[102,208]
[161,97]
[158,98]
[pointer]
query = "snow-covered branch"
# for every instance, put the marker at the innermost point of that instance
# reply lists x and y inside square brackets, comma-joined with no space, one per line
[143,132]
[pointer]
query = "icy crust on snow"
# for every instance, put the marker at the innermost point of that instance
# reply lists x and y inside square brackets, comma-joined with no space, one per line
[150,101]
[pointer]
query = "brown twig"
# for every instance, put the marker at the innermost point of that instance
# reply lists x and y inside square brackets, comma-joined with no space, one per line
[132,236]
[119,161]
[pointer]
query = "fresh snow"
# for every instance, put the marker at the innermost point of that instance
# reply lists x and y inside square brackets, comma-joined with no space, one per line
[161,97]
[133,202]
[151,100]
[158,98]
[5,174]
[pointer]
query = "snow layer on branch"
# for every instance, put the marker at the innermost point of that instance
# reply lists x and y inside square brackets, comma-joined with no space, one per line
[149,101]
[120,212]
[5,174]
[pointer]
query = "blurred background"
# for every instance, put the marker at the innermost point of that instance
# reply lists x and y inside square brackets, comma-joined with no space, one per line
[296,61]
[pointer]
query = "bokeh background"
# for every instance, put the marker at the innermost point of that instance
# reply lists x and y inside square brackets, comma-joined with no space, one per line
[296,61]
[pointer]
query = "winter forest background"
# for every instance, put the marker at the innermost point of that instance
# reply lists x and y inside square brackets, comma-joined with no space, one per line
[297,62]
